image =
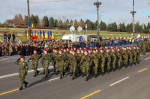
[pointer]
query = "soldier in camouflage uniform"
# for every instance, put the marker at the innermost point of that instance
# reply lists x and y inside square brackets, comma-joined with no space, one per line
[134,52]
[60,61]
[85,60]
[130,55]
[124,57]
[45,60]
[95,59]
[108,59]
[73,62]
[138,55]
[35,59]
[144,47]
[113,59]
[118,57]
[102,60]
[23,69]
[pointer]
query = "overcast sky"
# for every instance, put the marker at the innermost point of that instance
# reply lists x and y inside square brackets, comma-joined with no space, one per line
[110,10]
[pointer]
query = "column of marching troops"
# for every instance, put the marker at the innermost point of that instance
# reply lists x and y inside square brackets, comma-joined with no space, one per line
[82,62]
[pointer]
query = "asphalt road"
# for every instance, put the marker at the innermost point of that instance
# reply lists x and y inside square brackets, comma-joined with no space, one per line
[132,82]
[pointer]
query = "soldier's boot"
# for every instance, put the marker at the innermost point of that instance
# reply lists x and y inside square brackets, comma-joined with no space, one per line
[26,83]
[87,78]
[21,88]
[96,75]
[134,63]
[61,76]
[74,76]
[64,73]
[37,73]
[46,76]
[48,72]
[71,73]
[83,74]
[56,72]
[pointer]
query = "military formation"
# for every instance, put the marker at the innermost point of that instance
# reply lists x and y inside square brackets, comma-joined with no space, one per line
[83,62]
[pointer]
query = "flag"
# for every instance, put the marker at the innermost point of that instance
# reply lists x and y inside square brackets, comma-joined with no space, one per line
[32,34]
[37,38]
[49,35]
[46,35]
[41,34]
[53,36]
[25,33]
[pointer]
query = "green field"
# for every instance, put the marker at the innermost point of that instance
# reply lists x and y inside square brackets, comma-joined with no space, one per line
[56,31]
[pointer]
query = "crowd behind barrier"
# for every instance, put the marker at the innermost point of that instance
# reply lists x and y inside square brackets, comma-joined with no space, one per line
[26,49]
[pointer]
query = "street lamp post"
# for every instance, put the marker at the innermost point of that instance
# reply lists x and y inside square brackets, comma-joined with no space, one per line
[97,6]
[29,27]
[133,13]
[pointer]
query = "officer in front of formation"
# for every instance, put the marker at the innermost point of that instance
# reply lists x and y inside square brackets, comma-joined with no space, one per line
[23,69]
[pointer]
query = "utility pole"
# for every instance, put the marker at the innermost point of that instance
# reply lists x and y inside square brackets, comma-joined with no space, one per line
[29,27]
[133,13]
[97,6]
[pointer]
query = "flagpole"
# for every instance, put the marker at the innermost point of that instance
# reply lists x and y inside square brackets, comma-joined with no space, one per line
[29,27]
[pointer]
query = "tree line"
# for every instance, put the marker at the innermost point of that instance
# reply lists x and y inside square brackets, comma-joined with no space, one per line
[66,23]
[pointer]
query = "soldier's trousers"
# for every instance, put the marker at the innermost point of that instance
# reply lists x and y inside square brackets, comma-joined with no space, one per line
[22,78]
[119,63]
[35,66]
[96,66]
[114,63]
[134,59]
[61,67]
[86,69]
[45,67]
[108,65]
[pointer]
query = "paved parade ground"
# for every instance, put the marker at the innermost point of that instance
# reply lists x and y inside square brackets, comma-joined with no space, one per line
[128,83]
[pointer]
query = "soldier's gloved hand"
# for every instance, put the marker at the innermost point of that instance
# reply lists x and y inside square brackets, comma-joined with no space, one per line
[28,61]
[18,59]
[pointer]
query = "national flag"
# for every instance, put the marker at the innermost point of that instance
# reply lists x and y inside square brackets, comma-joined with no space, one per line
[46,35]
[25,33]
[40,34]
[43,34]
[53,36]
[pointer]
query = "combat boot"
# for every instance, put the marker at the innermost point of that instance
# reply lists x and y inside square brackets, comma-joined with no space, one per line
[73,77]
[61,77]
[34,74]
[21,88]
[87,78]
[37,73]
[26,83]
[71,73]
[83,74]
[45,76]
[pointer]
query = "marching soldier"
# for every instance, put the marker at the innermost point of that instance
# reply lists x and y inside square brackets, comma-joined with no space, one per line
[45,60]
[134,54]
[60,61]
[96,62]
[102,60]
[35,59]
[118,57]
[130,55]
[113,59]
[138,54]
[108,60]
[124,57]
[23,69]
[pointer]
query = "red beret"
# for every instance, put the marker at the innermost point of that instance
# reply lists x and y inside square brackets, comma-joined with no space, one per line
[35,50]
[22,57]
[44,49]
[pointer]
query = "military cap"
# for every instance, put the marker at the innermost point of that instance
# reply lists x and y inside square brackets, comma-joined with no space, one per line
[22,57]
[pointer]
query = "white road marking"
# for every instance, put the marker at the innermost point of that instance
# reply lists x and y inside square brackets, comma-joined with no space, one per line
[147,58]
[15,74]
[119,81]
[54,79]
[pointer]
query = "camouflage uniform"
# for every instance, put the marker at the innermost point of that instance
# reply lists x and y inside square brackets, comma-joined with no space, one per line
[108,61]
[35,59]
[113,60]
[23,69]
[45,61]
[119,58]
